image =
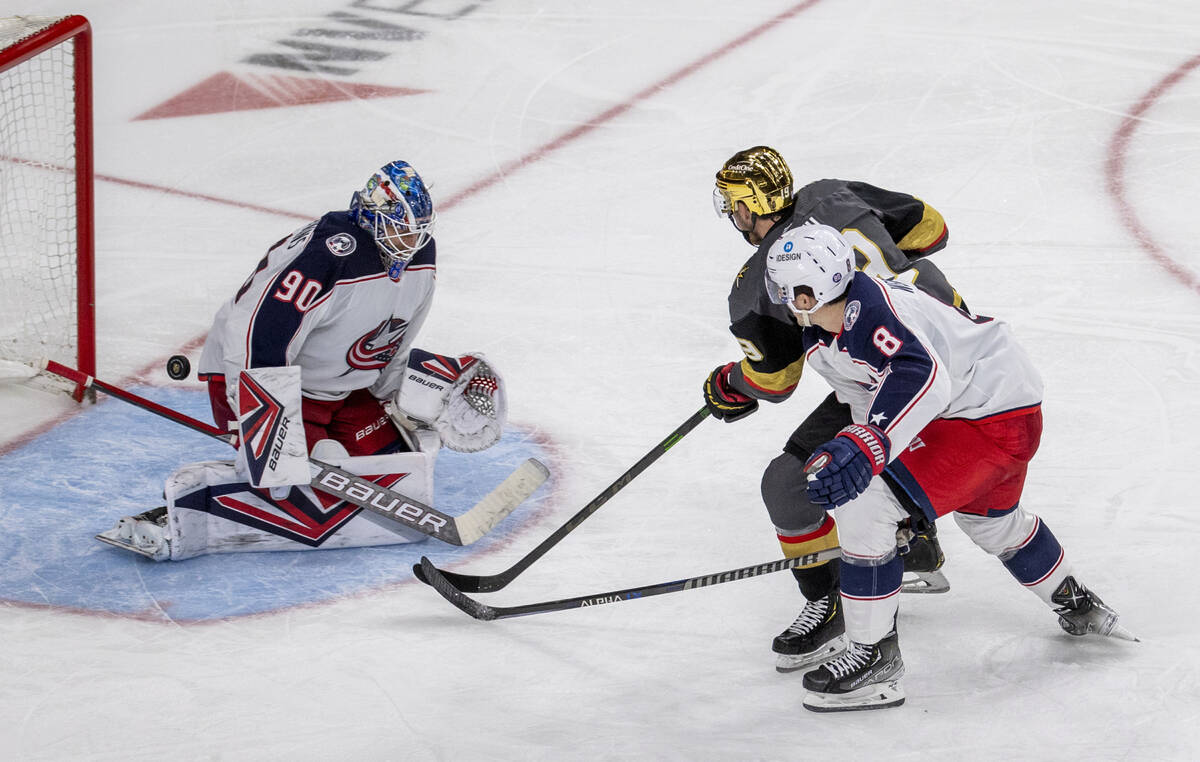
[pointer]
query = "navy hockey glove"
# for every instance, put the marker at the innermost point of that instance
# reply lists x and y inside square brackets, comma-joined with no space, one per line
[842,468]
[723,400]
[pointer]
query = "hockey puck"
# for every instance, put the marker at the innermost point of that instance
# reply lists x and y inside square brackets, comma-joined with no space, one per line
[178,367]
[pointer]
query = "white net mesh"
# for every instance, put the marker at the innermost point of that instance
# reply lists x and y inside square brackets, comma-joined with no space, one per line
[38,233]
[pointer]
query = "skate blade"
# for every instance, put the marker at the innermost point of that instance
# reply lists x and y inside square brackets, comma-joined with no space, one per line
[112,539]
[878,696]
[1115,630]
[1110,627]
[925,582]
[785,663]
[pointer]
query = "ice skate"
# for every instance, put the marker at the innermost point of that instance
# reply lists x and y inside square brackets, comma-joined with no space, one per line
[866,676]
[1081,612]
[817,634]
[923,559]
[145,534]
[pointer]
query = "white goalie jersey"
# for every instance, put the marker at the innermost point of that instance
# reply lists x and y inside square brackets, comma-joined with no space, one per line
[321,300]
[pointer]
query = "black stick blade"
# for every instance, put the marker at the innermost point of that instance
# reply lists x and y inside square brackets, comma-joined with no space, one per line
[419,573]
[434,578]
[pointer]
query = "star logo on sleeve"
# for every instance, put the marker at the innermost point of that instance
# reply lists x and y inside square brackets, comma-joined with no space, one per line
[878,419]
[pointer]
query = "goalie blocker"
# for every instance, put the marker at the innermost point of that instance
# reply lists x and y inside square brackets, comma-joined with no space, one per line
[263,500]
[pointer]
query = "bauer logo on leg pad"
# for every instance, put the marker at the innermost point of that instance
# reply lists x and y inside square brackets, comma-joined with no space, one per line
[270,427]
[304,516]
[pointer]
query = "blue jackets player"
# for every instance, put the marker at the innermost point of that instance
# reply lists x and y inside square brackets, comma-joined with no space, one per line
[342,297]
[337,303]
[893,235]
[948,406]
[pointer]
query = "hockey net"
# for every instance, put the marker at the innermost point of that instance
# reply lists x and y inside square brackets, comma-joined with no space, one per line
[46,208]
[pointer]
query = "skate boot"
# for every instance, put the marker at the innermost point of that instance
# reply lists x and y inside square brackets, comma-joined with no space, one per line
[923,559]
[816,635]
[1082,612]
[866,676]
[146,534]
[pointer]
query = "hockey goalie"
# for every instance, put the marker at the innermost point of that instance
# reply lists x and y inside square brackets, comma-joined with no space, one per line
[313,355]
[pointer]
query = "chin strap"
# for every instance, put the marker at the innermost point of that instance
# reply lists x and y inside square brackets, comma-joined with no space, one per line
[781,216]
[744,233]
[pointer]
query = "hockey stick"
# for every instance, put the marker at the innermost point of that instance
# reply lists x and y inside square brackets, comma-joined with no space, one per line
[360,491]
[88,382]
[482,611]
[489,583]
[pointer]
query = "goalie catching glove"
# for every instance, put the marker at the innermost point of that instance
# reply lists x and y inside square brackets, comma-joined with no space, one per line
[461,398]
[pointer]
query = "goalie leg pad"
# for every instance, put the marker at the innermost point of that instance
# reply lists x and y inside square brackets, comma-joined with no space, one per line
[212,509]
[273,451]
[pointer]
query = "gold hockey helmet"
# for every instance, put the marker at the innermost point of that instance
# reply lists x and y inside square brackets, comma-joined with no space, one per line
[758,177]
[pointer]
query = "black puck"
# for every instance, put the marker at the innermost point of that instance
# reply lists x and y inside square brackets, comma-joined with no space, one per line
[178,367]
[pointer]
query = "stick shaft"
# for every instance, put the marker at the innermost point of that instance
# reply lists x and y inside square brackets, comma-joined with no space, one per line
[490,583]
[89,382]
[482,611]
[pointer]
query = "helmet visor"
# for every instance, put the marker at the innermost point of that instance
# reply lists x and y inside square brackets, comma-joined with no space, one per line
[722,204]
[777,293]
[726,196]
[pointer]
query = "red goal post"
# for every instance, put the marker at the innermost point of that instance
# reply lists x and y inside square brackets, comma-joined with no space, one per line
[47,230]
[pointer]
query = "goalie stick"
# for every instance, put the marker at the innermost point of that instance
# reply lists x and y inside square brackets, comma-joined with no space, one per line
[484,612]
[360,491]
[490,583]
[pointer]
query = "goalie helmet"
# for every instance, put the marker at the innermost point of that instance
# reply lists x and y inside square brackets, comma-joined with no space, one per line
[758,177]
[394,206]
[813,257]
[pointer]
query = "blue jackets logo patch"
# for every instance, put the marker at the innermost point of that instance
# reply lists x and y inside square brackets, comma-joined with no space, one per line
[341,245]
[377,348]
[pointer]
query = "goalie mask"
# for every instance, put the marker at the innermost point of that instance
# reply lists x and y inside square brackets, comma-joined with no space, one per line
[394,206]
[813,259]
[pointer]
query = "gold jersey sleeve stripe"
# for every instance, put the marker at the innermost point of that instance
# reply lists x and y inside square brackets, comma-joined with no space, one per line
[926,233]
[777,383]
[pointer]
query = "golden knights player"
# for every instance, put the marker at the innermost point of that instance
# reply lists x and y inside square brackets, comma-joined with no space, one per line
[891,233]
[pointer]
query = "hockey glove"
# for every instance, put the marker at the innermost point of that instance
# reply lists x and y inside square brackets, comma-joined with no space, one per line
[476,410]
[723,400]
[842,468]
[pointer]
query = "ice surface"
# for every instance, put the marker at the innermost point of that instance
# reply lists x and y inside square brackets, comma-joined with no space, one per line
[572,145]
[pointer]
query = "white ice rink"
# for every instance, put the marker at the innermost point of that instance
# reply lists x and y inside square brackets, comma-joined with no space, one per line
[572,147]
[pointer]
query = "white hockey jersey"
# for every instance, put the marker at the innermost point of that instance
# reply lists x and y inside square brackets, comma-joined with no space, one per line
[320,299]
[903,359]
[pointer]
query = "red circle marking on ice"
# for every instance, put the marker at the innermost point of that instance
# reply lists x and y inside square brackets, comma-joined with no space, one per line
[1114,172]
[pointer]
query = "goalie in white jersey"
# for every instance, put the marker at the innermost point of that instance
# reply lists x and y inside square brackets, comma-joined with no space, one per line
[947,410]
[323,331]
